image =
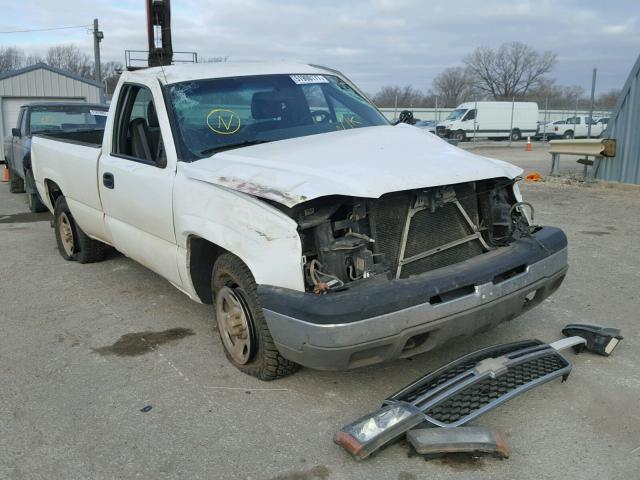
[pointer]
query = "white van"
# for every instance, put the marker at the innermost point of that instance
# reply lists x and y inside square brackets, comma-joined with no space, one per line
[490,120]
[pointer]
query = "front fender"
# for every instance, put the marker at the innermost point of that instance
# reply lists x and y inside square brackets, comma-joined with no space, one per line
[264,238]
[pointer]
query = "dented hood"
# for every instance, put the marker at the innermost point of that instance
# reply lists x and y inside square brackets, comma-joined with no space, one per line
[363,162]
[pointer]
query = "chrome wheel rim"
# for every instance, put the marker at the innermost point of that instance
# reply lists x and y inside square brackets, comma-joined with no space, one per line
[66,234]
[233,319]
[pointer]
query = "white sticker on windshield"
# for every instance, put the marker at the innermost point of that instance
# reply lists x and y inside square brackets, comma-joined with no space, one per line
[305,79]
[98,113]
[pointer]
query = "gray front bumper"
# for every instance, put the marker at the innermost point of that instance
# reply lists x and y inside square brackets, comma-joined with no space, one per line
[416,329]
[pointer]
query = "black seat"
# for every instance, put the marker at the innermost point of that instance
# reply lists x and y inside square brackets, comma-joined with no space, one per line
[146,141]
[139,134]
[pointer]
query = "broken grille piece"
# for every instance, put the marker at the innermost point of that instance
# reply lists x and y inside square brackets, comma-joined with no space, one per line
[459,392]
[476,383]
[434,442]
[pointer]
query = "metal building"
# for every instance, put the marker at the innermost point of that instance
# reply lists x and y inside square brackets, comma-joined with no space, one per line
[624,126]
[41,83]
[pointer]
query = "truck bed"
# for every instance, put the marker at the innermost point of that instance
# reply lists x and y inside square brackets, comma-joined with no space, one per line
[91,138]
[70,160]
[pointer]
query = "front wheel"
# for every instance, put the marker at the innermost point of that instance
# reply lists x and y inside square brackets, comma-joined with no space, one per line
[459,135]
[568,135]
[242,327]
[73,243]
[516,135]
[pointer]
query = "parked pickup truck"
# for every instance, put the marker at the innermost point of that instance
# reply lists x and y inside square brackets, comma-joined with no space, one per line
[322,235]
[575,127]
[69,119]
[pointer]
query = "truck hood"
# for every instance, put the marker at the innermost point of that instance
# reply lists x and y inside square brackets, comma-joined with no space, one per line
[363,162]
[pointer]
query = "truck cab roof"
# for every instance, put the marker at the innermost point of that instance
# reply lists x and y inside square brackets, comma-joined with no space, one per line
[64,104]
[198,71]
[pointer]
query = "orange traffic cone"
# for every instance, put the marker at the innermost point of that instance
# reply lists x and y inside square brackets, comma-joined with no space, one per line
[528,144]
[5,174]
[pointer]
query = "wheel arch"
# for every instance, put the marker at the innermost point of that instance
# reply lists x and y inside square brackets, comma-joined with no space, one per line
[53,191]
[201,255]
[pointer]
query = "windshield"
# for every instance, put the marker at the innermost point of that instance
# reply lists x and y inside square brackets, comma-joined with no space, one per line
[457,114]
[218,114]
[65,118]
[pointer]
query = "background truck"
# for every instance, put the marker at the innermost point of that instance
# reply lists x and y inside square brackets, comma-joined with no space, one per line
[68,119]
[321,234]
[577,127]
[491,120]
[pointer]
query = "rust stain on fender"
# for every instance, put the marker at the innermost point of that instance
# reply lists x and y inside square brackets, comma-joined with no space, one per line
[252,188]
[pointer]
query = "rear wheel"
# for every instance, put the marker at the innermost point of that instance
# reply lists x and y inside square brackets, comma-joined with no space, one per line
[73,243]
[16,183]
[242,327]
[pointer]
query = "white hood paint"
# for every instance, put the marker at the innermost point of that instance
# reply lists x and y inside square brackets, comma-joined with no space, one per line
[363,162]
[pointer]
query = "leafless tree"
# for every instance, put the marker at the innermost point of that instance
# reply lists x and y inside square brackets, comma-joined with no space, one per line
[565,97]
[608,100]
[406,96]
[453,86]
[71,59]
[509,71]
[11,58]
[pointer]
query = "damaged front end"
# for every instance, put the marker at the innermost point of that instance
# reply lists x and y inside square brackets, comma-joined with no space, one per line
[346,240]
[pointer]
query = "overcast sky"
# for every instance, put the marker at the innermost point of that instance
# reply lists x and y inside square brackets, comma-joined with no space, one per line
[375,42]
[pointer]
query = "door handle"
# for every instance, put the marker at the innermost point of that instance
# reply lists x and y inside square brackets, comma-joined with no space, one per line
[108,181]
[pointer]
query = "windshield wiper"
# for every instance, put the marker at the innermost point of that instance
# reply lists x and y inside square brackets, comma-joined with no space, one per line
[222,148]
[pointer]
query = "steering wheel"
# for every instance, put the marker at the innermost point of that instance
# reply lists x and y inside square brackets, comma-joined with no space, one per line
[320,116]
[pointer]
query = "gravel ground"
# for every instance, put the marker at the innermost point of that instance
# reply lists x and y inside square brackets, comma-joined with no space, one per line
[73,389]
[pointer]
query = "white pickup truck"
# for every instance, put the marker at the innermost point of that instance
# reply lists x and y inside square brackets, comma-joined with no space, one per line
[574,127]
[322,235]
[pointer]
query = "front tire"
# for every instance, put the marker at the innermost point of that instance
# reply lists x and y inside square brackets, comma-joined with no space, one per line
[568,135]
[73,243]
[459,135]
[516,135]
[242,327]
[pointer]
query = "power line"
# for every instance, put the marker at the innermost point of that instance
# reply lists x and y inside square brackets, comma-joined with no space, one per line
[46,29]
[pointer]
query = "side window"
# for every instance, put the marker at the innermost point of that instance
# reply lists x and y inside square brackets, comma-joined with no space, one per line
[19,121]
[471,115]
[137,131]
[24,128]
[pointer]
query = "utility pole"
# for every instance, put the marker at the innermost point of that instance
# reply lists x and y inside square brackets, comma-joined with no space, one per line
[593,93]
[97,38]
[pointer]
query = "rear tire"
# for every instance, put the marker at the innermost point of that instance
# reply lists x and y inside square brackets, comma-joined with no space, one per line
[73,243]
[16,183]
[243,330]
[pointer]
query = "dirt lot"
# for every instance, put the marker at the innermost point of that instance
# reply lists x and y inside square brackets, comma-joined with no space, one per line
[73,387]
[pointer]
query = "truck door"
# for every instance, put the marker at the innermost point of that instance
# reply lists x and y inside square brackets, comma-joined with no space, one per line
[17,143]
[136,184]
[469,123]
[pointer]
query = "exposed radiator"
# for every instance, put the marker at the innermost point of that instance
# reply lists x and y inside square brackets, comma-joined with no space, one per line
[431,240]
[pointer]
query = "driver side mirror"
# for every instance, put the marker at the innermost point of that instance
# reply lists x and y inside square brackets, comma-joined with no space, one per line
[16,132]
